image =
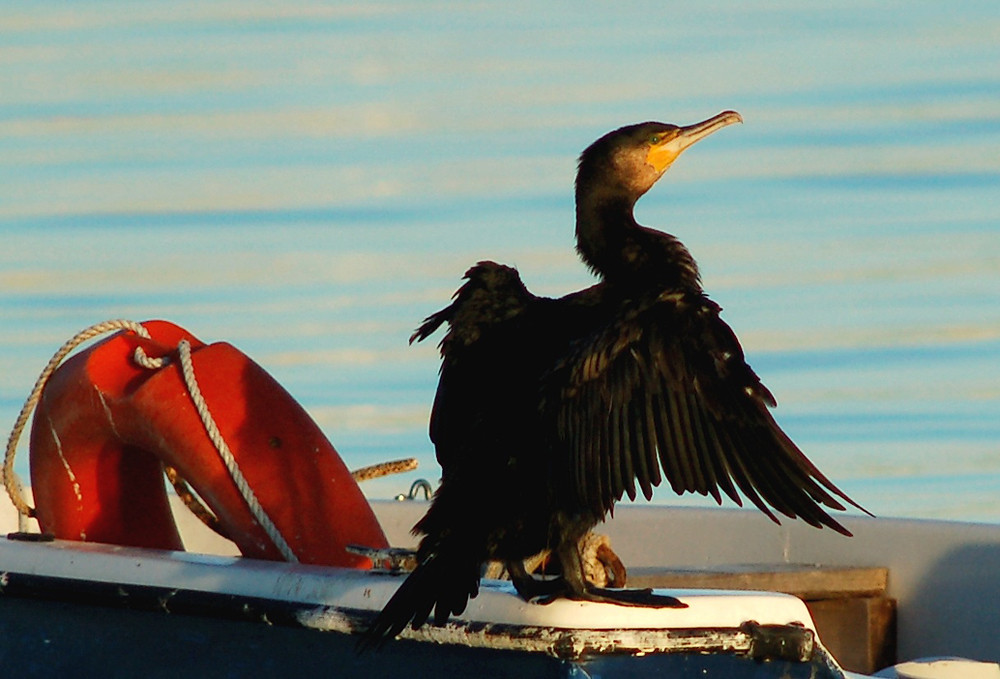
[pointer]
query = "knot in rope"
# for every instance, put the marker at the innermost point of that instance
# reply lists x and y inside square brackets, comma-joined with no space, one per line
[142,359]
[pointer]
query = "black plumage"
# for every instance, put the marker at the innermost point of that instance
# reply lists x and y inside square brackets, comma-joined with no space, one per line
[548,411]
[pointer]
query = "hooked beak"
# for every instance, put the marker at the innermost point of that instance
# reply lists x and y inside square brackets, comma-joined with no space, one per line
[692,133]
[663,155]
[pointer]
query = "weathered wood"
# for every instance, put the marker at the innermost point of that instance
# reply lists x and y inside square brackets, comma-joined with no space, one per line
[860,632]
[805,581]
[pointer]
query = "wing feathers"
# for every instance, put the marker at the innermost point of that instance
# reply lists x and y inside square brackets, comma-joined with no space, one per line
[670,451]
[680,429]
[640,443]
[663,387]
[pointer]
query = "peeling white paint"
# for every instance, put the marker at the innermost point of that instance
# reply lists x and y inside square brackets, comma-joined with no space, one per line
[165,600]
[326,619]
[570,644]
[556,642]
[107,412]
[65,464]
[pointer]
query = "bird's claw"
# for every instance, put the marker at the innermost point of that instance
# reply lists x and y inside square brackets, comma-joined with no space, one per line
[633,597]
[619,597]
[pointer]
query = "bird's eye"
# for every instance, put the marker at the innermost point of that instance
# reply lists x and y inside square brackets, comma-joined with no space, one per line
[655,139]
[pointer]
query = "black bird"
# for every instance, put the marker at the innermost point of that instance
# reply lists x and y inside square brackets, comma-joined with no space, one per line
[548,411]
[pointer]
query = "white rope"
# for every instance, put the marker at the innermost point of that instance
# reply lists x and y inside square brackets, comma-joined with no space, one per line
[15,489]
[261,516]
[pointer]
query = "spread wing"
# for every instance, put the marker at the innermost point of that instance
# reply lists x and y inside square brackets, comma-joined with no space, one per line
[662,390]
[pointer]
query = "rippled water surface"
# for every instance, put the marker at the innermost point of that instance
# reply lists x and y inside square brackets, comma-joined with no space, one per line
[308,181]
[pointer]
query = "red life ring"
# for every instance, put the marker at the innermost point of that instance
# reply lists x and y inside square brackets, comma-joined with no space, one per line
[105,427]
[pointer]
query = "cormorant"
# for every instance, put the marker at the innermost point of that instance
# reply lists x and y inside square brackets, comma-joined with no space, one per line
[548,411]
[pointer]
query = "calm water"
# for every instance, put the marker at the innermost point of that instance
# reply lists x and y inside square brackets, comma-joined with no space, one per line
[308,181]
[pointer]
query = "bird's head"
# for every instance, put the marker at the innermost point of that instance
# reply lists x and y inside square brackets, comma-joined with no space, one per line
[631,159]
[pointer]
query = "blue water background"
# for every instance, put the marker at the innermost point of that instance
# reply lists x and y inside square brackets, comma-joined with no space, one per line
[309,180]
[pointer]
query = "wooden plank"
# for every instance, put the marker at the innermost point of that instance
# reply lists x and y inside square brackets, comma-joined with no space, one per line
[860,632]
[806,581]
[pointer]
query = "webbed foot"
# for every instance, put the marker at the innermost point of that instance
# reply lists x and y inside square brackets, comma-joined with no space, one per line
[632,597]
[619,597]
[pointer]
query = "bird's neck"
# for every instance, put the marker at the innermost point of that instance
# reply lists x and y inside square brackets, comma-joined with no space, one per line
[599,219]
[620,251]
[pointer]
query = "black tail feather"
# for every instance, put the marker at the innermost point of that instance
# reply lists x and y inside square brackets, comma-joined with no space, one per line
[442,583]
